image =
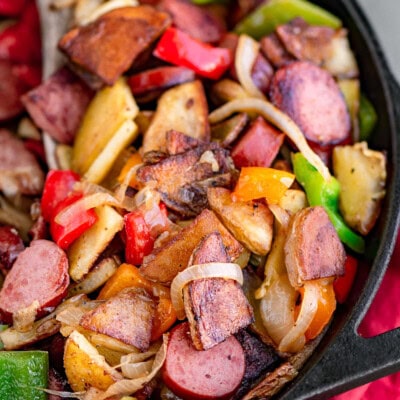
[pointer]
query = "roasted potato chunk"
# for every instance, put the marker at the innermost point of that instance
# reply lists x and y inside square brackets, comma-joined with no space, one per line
[361,173]
[127,317]
[108,46]
[84,252]
[84,366]
[251,223]
[105,122]
[165,262]
[182,108]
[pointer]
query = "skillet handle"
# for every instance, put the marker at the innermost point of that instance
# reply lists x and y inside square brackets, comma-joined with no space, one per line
[351,360]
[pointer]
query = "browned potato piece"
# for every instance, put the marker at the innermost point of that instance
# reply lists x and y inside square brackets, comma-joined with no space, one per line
[84,252]
[251,223]
[313,249]
[165,262]
[107,122]
[361,173]
[182,108]
[108,46]
[127,317]
[84,366]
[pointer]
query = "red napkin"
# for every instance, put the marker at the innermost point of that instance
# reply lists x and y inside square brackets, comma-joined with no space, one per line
[382,316]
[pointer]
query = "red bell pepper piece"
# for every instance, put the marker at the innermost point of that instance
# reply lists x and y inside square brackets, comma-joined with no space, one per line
[343,284]
[180,49]
[11,8]
[21,42]
[80,221]
[139,242]
[259,145]
[57,187]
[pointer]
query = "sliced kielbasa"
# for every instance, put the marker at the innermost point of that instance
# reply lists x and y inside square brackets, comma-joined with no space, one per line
[311,97]
[39,273]
[209,374]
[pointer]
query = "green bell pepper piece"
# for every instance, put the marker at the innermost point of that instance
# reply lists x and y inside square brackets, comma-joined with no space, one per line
[367,118]
[22,373]
[326,194]
[267,17]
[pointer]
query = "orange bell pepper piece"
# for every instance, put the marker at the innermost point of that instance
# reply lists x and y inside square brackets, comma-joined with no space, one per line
[259,182]
[129,276]
[326,307]
[133,160]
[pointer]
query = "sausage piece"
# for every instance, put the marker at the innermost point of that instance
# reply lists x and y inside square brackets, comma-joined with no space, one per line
[313,249]
[39,273]
[11,245]
[58,104]
[19,170]
[209,374]
[311,97]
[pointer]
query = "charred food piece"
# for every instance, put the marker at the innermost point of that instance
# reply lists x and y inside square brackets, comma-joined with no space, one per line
[19,170]
[183,179]
[260,359]
[127,317]
[216,307]
[58,104]
[313,249]
[274,50]
[108,46]
[178,142]
[165,262]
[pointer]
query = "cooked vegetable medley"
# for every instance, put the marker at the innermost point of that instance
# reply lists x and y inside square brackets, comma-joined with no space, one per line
[184,202]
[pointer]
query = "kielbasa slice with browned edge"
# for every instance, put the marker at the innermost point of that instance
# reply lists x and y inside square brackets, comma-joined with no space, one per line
[313,249]
[40,273]
[209,374]
[311,97]
[199,22]
[58,104]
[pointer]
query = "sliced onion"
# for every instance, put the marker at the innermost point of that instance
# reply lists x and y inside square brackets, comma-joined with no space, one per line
[63,394]
[308,309]
[275,264]
[245,57]
[277,308]
[201,271]
[278,118]
[85,203]
[126,387]
[136,370]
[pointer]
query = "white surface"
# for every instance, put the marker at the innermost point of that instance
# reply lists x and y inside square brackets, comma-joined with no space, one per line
[384,16]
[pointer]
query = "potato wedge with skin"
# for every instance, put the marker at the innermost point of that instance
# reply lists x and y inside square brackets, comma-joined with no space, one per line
[84,252]
[251,223]
[361,173]
[84,366]
[182,108]
[108,110]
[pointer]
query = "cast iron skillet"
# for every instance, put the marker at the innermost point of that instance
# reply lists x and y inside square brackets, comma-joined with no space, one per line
[344,359]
